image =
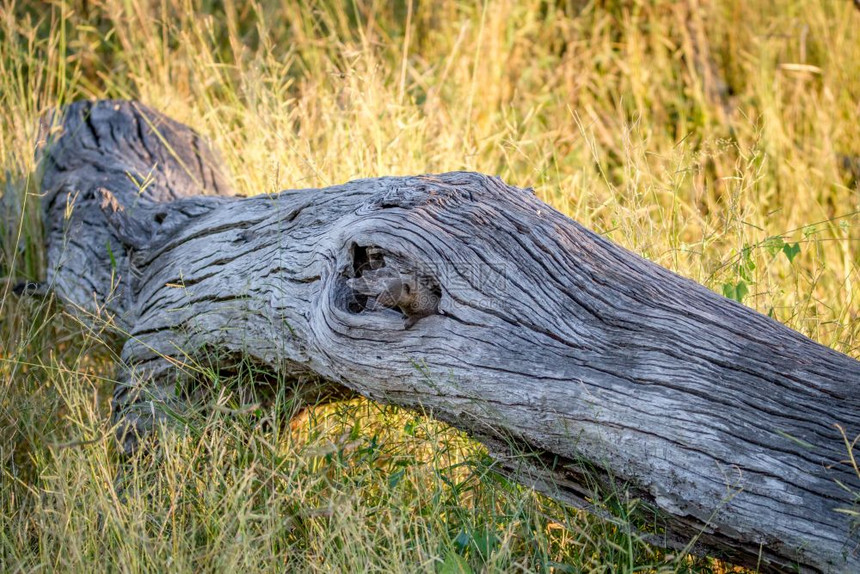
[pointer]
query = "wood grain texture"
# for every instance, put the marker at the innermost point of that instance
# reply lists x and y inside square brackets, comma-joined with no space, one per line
[509,320]
[141,157]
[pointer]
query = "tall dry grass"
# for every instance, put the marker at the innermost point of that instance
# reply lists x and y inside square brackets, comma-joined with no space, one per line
[715,138]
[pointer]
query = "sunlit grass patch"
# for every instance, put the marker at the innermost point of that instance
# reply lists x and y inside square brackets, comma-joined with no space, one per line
[715,138]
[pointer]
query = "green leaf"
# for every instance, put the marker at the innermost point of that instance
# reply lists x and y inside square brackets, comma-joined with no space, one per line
[737,291]
[485,541]
[110,255]
[741,291]
[463,539]
[791,251]
[455,564]
[355,431]
[773,245]
[746,265]
[395,478]
[795,440]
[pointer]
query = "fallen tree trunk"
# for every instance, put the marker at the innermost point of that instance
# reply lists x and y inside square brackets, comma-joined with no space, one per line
[471,299]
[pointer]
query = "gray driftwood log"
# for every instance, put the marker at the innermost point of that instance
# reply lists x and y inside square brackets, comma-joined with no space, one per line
[472,299]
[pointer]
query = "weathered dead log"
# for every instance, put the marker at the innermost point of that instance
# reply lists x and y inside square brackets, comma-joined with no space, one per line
[474,300]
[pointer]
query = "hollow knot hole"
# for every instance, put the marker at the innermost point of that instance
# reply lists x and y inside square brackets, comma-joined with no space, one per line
[383,281]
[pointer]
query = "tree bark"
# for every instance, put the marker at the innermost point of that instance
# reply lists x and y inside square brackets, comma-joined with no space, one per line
[474,300]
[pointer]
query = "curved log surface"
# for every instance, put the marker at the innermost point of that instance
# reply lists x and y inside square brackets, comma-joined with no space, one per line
[474,300]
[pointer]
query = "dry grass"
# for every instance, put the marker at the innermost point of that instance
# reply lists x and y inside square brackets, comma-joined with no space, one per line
[703,135]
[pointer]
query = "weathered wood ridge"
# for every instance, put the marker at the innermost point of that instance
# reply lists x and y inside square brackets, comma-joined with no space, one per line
[476,301]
